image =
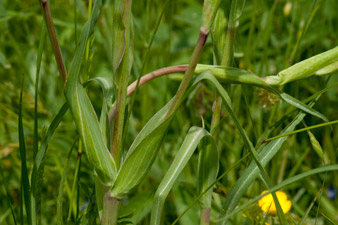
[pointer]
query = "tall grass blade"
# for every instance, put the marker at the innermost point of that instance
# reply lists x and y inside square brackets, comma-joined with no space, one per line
[36,202]
[142,153]
[37,173]
[190,143]
[38,65]
[24,171]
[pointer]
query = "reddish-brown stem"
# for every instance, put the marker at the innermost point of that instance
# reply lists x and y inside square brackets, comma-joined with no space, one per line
[205,217]
[190,71]
[53,38]
[144,79]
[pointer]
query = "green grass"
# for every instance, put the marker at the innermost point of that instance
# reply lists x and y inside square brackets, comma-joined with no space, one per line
[282,137]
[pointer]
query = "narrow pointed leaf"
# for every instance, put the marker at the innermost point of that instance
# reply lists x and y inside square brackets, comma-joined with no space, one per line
[142,153]
[190,143]
[83,111]
[24,170]
[296,103]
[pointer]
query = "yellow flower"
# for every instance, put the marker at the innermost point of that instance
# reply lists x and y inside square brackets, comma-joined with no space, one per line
[268,205]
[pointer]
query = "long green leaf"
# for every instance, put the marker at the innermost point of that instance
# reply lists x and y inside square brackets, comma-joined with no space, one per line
[37,173]
[190,143]
[24,171]
[83,111]
[36,202]
[142,153]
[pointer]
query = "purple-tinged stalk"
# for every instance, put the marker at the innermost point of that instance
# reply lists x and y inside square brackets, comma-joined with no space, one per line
[203,35]
[144,79]
[209,13]
[122,63]
[53,38]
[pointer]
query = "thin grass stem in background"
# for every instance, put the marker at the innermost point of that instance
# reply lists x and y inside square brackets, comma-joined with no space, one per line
[53,38]
[301,130]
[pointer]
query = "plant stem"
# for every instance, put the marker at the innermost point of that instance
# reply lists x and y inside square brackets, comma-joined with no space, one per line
[53,38]
[205,217]
[189,72]
[144,79]
[123,73]
[110,209]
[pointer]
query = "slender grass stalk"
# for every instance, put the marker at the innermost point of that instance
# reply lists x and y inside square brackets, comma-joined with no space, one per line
[53,38]
[36,206]
[90,6]
[314,8]
[301,130]
[75,22]
[189,72]
[25,191]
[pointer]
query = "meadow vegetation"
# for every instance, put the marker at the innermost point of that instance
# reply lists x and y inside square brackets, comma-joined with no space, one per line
[231,119]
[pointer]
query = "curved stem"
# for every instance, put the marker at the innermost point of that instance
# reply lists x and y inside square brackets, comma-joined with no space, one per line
[144,79]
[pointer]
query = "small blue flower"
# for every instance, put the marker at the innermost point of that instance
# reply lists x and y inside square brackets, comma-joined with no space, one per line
[331,193]
[84,205]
